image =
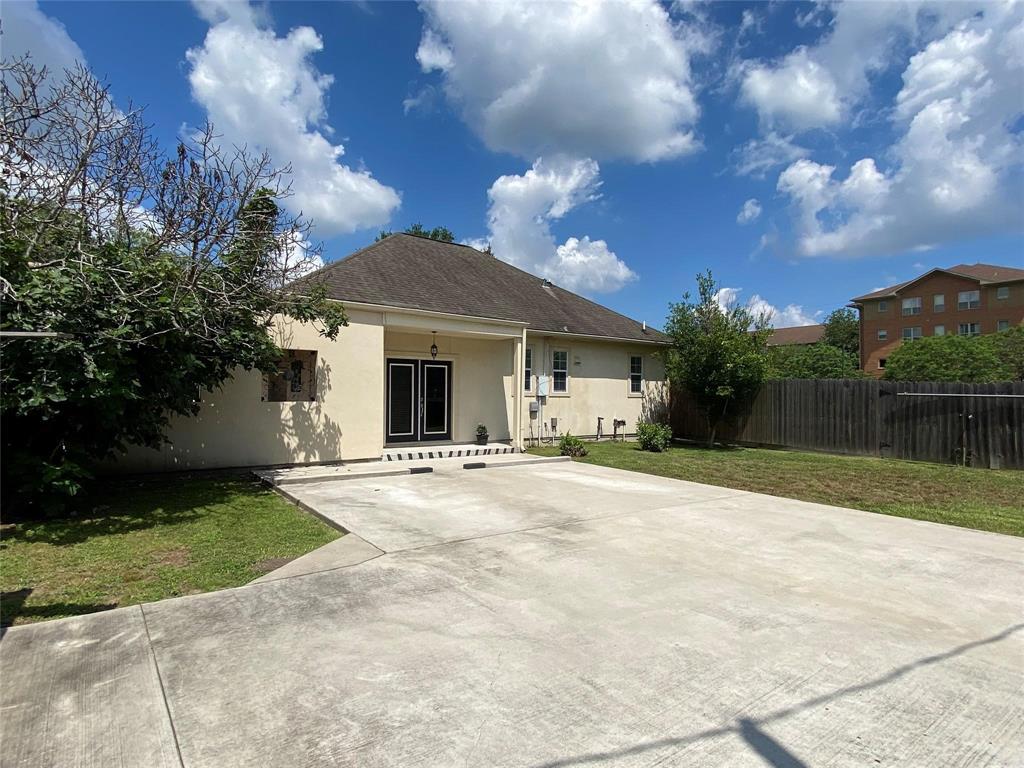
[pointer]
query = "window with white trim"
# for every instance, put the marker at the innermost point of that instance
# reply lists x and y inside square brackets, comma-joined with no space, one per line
[636,374]
[939,302]
[883,306]
[559,370]
[883,334]
[939,330]
[1003,292]
[528,369]
[968,300]
[912,306]
[970,329]
[909,334]
[1002,325]
[881,363]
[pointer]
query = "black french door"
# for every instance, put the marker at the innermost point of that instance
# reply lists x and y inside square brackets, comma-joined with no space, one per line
[418,400]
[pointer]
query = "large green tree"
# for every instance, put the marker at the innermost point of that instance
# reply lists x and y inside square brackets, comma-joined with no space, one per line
[718,354]
[842,331]
[443,234]
[993,357]
[154,277]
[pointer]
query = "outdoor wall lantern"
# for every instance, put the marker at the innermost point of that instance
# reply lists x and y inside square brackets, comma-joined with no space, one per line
[433,347]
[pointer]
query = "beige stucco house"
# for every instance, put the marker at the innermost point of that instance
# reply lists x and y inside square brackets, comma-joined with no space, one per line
[441,338]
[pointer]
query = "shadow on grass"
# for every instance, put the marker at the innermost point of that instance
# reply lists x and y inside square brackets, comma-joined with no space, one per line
[124,506]
[12,607]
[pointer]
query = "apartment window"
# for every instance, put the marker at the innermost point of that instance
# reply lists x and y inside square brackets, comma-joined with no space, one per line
[912,306]
[970,329]
[940,330]
[528,370]
[881,363]
[939,302]
[1003,292]
[559,370]
[883,335]
[636,374]
[1003,325]
[968,300]
[883,306]
[909,334]
[295,379]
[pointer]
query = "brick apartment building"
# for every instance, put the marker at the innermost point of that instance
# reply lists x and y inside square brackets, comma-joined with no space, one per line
[968,299]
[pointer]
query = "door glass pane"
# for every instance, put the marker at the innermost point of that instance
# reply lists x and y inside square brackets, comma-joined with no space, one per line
[400,407]
[435,399]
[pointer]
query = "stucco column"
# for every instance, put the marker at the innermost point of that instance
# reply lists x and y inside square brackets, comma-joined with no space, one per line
[516,401]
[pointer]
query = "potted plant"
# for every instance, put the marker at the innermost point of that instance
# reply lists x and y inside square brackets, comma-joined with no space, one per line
[481,434]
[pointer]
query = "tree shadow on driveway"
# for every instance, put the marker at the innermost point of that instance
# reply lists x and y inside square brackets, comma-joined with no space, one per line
[750,729]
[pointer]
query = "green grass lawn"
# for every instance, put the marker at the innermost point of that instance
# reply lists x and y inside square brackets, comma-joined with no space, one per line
[136,541]
[989,500]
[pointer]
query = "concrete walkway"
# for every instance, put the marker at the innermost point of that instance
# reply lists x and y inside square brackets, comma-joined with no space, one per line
[554,615]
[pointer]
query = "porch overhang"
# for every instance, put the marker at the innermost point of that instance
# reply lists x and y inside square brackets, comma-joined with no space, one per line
[428,323]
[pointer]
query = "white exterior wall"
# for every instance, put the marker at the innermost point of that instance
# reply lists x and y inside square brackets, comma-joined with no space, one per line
[481,379]
[598,385]
[235,428]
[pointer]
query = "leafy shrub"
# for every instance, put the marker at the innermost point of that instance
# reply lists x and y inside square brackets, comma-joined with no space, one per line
[992,357]
[812,361]
[571,446]
[653,437]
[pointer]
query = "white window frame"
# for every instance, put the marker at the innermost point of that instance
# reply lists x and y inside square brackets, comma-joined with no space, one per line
[969,302]
[629,380]
[528,369]
[1002,325]
[881,363]
[1003,292]
[913,336]
[883,334]
[939,330]
[939,302]
[968,326]
[912,306]
[554,386]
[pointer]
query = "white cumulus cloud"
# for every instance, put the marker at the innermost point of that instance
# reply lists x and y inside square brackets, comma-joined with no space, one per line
[600,80]
[749,212]
[262,91]
[786,317]
[26,29]
[760,155]
[820,85]
[522,209]
[955,171]
[798,93]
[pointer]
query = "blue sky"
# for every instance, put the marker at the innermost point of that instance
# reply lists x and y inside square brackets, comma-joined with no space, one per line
[805,153]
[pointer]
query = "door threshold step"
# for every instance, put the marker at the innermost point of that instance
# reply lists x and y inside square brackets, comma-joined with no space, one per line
[418,453]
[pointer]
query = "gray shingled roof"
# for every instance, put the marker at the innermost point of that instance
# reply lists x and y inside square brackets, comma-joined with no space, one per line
[414,272]
[798,334]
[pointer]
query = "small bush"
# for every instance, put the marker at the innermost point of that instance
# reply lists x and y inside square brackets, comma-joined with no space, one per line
[571,446]
[653,437]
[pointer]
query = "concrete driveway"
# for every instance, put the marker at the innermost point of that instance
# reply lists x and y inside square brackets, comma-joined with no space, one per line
[554,615]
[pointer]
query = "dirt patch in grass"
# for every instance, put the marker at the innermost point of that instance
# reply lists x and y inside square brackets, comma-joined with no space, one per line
[272,564]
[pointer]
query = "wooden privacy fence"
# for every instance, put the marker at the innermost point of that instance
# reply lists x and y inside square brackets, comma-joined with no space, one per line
[924,421]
